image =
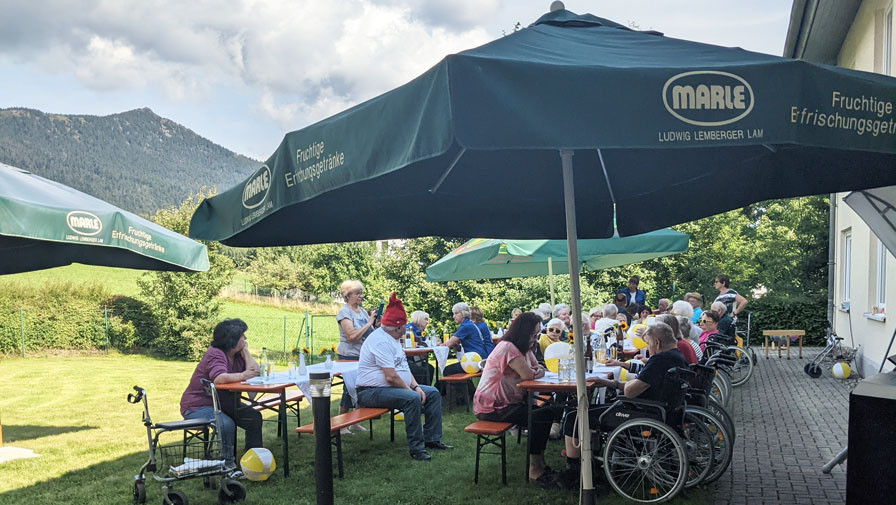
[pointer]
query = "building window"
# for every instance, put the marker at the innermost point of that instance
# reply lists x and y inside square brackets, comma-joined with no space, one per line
[846,261]
[880,301]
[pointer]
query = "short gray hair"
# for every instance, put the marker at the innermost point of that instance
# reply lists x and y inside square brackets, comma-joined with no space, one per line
[682,308]
[561,306]
[556,322]
[392,328]
[610,310]
[461,307]
[417,317]
[719,307]
[545,309]
[662,332]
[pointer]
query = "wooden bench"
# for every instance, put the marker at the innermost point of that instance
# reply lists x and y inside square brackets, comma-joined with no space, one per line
[351,418]
[786,334]
[458,378]
[490,433]
[272,402]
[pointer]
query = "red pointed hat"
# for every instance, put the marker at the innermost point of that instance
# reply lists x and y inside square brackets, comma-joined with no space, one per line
[394,314]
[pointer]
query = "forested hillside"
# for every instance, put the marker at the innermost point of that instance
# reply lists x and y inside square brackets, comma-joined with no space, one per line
[136,159]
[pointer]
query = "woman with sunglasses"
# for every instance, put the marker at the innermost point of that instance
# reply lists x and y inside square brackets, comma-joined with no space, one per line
[554,333]
[709,323]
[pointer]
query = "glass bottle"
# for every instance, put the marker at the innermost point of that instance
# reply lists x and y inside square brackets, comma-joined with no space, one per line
[263,362]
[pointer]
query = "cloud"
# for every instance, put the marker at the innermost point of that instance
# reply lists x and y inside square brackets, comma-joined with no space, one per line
[304,59]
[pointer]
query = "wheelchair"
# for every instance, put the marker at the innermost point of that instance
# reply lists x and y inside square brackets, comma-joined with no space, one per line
[651,450]
[185,449]
[702,408]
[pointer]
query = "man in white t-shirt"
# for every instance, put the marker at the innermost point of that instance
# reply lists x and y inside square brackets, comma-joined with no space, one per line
[385,381]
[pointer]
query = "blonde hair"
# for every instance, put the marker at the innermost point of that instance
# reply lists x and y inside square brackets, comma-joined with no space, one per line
[349,287]
[417,318]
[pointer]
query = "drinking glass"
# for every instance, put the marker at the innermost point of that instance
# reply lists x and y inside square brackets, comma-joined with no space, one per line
[292,370]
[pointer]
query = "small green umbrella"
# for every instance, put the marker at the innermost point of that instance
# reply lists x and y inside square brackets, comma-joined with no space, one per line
[482,258]
[44,224]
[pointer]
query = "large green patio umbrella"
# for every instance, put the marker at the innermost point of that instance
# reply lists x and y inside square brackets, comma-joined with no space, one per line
[572,116]
[44,224]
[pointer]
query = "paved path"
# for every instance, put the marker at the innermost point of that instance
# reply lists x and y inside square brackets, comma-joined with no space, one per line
[788,426]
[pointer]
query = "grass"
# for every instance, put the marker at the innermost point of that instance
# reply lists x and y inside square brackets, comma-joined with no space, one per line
[72,411]
[119,281]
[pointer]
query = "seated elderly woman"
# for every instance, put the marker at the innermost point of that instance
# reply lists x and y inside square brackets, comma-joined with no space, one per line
[226,360]
[683,344]
[684,309]
[649,386]
[468,336]
[419,365]
[726,324]
[709,323]
[498,399]
[554,333]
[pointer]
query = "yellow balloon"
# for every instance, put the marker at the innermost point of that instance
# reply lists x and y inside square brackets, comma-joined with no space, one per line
[553,353]
[639,342]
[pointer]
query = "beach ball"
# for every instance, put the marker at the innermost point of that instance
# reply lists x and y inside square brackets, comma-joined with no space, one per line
[554,352]
[470,362]
[639,342]
[258,464]
[841,370]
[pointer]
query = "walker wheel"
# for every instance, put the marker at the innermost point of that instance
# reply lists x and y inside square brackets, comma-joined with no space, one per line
[231,491]
[139,492]
[175,498]
[812,370]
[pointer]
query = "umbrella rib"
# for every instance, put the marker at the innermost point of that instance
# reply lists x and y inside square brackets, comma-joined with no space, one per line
[435,188]
[603,167]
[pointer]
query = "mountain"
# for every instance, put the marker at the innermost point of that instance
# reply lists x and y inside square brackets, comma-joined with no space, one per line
[137,160]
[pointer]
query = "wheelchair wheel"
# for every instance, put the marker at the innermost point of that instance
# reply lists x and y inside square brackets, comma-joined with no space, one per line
[741,370]
[718,391]
[698,442]
[645,461]
[722,414]
[723,443]
[231,491]
[139,492]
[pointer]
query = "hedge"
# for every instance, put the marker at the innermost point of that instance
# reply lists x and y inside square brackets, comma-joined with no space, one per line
[787,314]
[60,316]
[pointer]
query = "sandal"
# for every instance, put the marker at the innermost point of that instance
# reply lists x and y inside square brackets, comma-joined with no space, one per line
[548,480]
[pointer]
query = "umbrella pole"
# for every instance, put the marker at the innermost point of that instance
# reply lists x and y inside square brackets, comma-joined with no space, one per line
[587,496]
[551,277]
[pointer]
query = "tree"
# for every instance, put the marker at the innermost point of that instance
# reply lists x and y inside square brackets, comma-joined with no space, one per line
[272,268]
[186,305]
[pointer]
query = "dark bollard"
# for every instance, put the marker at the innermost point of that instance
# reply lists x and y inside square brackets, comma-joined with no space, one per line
[323,453]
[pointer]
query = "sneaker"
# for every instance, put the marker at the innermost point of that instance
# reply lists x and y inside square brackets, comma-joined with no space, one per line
[345,431]
[421,456]
[236,474]
[513,431]
[358,427]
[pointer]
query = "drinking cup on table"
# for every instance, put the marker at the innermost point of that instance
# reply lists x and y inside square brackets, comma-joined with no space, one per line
[293,372]
[600,355]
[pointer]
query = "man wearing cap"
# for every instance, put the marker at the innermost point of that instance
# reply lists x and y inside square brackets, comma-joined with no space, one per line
[696,301]
[385,381]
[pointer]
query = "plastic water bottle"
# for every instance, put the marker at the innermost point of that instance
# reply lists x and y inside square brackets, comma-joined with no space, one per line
[264,362]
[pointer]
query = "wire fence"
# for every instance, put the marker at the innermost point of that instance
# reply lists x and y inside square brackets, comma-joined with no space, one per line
[24,332]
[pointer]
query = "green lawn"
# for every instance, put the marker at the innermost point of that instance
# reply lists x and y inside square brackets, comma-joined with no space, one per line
[72,411]
[119,281]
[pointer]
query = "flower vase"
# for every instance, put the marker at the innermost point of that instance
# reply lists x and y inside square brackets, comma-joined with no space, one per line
[328,364]
[302,369]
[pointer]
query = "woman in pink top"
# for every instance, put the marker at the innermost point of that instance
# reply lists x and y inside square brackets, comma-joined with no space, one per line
[498,399]
[709,323]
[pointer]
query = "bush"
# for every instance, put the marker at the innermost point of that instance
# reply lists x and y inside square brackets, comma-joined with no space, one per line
[788,314]
[59,316]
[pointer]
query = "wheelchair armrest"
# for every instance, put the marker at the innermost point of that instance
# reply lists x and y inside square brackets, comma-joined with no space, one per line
[185,424]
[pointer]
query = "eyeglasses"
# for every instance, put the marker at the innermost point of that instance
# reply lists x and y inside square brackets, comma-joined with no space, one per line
[704,321]
[555,330]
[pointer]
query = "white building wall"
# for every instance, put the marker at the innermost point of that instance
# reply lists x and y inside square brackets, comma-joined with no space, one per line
[862,50]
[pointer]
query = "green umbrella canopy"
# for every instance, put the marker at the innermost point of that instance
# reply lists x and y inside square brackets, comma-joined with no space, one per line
[648,118]
[500,259]
[44,224]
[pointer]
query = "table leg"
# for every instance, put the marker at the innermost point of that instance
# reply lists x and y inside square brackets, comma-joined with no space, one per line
[236,405]
[788,346]
[766,347]
[801,347]
[530,397]
[282,421]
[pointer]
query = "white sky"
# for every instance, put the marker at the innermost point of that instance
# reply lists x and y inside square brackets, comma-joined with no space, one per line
[245,72]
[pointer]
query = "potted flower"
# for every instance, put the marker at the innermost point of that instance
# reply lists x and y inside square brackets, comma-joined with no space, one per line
[328,353]
[298,355]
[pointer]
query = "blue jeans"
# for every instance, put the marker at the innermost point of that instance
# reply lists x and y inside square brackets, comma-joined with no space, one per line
[250,420]
[408,402]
